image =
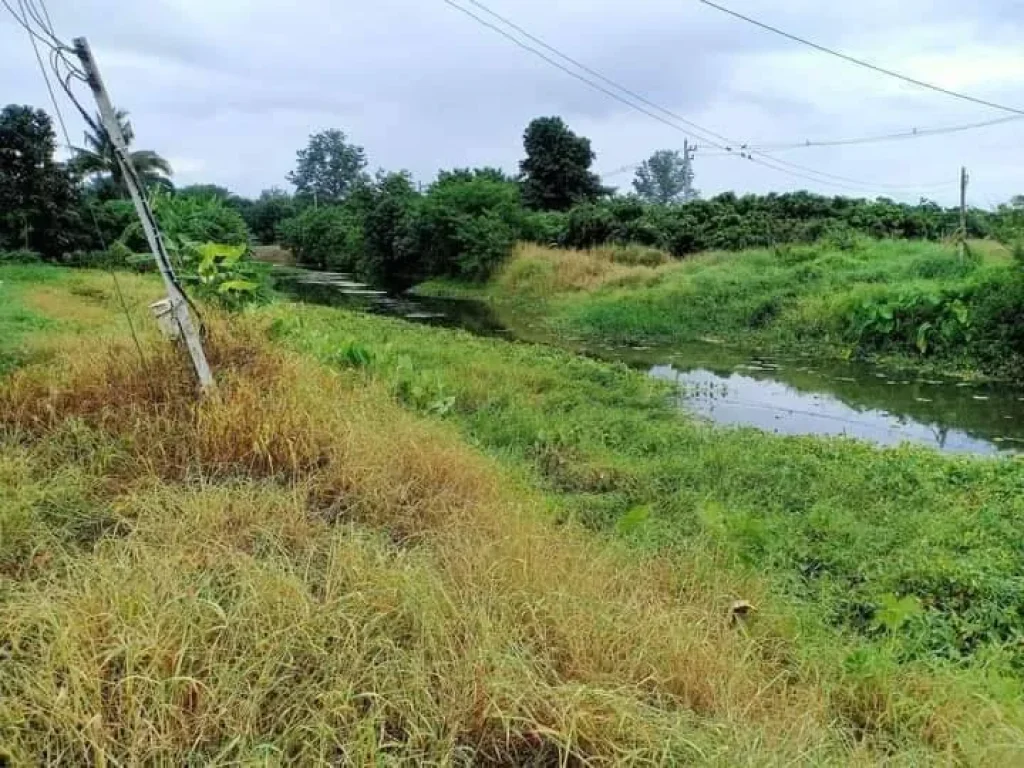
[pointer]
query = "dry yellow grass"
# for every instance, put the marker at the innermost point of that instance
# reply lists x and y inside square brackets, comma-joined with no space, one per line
[537,270]
[297,571]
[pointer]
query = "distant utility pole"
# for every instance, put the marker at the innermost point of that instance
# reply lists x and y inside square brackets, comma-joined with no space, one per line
[688,153]
[175,297]
[964,178]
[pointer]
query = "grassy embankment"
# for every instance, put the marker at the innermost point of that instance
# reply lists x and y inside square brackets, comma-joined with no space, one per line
[911,303]
[308,566]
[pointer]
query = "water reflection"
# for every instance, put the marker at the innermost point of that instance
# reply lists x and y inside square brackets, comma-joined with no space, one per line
[339,289]
[774,406]
[792,397]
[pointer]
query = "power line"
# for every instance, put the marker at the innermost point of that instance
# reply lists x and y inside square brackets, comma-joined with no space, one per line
[915,133]
[597,86]
[55,50]
[800,170]
[593,72]
[634,166]
[23,23]
[719,141]
[861,62]
[46,78]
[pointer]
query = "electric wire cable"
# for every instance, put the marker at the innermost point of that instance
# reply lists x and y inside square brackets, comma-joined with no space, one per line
[67,139]
[718,140]
[862,62]
[914,133]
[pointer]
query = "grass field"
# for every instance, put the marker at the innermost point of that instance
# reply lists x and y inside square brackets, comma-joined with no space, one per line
[386,543]
[912,303]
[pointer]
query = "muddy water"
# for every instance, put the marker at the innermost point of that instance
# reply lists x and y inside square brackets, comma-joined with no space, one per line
[786,396]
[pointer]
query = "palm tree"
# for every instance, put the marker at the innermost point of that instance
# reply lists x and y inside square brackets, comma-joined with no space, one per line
[98,158]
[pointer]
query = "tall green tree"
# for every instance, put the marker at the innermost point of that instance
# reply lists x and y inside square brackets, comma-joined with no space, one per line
[665,177]
[556,172]
[39,200]
[329,168]
[265,213]
[98,159]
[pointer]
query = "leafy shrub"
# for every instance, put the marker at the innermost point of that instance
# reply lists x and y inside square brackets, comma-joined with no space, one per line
[223,274]
[589,225]
[545,227]
[330,237]
[467,227]
[389,254]
[264,214]
[196,219]
[840,236]
[913,319]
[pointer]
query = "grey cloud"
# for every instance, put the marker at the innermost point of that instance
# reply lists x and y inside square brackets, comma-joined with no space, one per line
[234,87]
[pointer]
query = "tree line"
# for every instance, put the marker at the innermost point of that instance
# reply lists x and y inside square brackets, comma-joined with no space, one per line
[385,227]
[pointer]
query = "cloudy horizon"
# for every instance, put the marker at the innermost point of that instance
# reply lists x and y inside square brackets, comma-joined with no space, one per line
[229,91]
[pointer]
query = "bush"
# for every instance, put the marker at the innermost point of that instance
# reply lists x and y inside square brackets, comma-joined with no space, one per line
[545,228]
[330,237]
[389,252]
[589,225]
[265,214]
[224,274]
[465,228]
[196,219]
[117,221]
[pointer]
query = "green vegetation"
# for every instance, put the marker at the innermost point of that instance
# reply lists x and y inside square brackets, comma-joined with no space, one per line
[384,543]
[556,171]
[666,177]
[98,159]
[463,225]
[38,196]
[914,303]
[842,525]
[350,580]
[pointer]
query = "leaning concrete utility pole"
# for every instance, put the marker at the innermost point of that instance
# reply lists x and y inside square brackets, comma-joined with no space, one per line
[180,319]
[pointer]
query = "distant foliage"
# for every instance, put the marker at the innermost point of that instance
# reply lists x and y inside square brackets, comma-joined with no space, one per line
[329,237]
[728,222]
[39,201]
[556,172]
[1009,224]
[463,226]
[264,214]
[329,168]
[666,177]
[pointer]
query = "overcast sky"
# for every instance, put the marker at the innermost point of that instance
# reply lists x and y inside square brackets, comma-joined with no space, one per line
[228,90]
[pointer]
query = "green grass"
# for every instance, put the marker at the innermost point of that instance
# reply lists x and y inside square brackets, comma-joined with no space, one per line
[913,303]
[842,527]
[389,543]
[17,321]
